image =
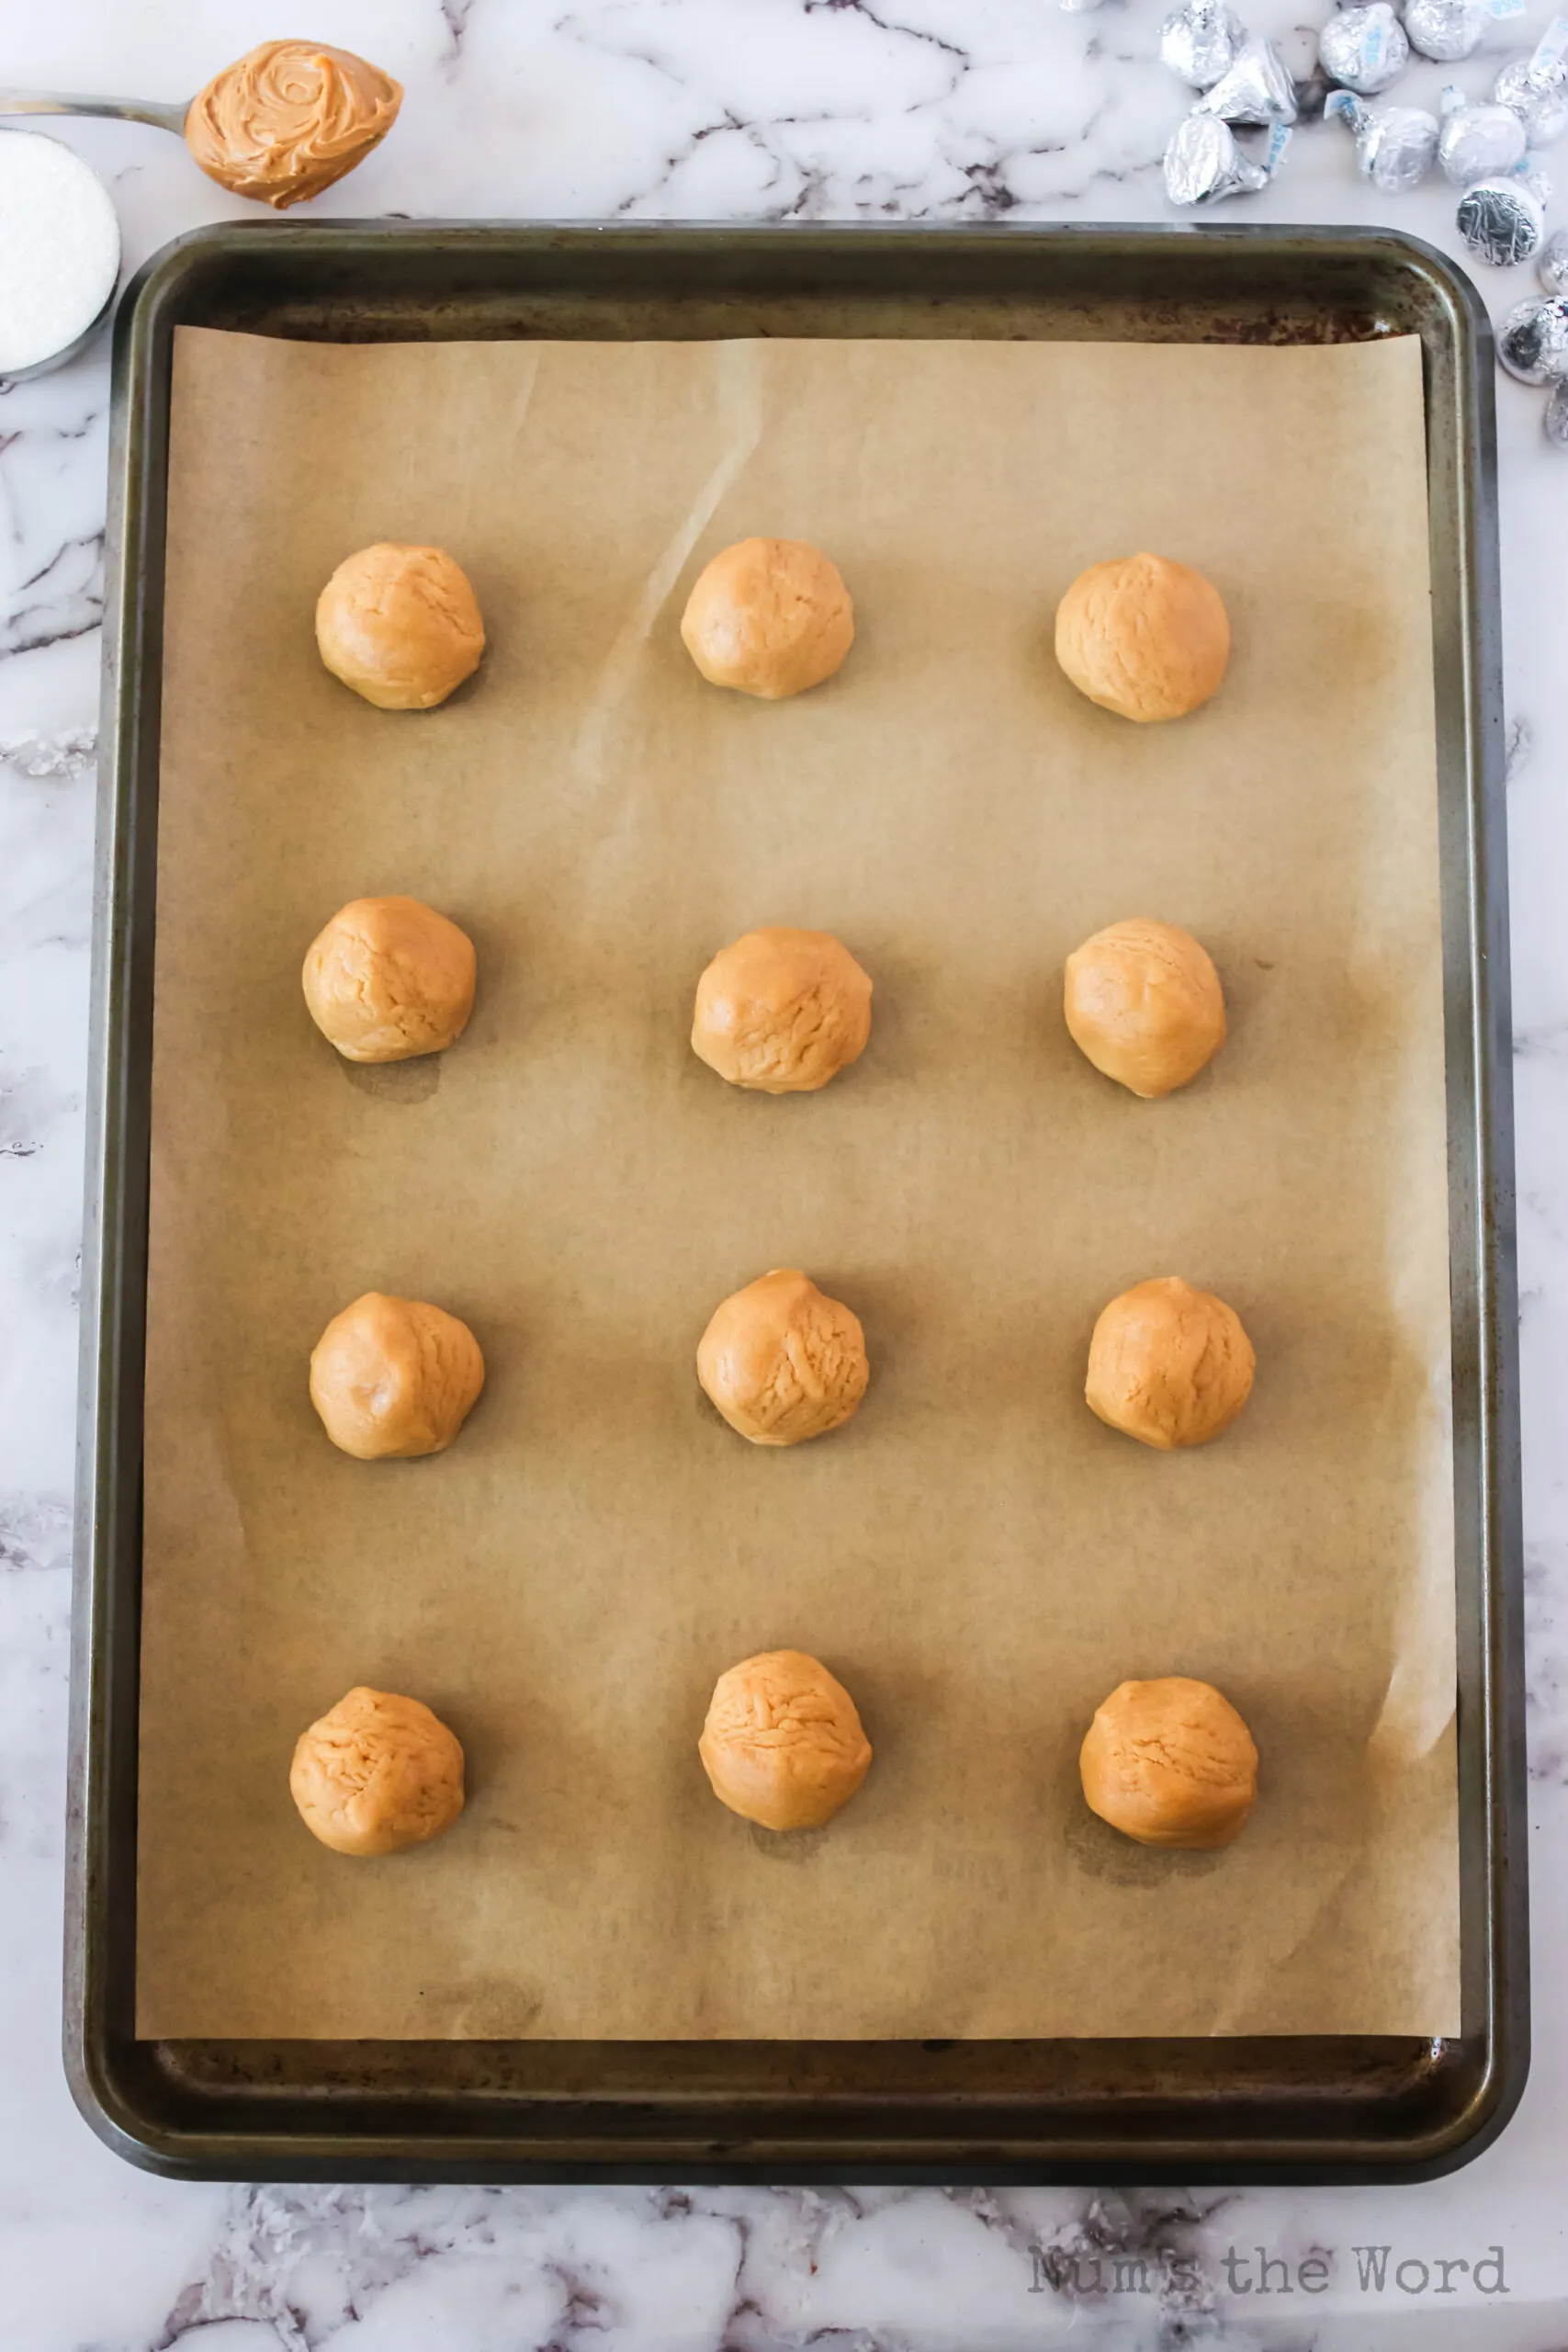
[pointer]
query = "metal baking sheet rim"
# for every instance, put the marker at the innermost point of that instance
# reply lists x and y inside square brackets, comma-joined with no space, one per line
[1289,2111]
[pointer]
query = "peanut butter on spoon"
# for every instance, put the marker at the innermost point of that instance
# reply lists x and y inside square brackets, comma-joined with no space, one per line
[289,119]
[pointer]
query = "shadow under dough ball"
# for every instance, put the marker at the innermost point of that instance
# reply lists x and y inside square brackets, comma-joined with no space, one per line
[782,1011]
[1170,1763]
[388,979]
[770,618]
[1169,1364]
[782,1743]
[1143,1002]
[400,624]
[782,1361]
[394,1378]
[1144,637]
[377,1773]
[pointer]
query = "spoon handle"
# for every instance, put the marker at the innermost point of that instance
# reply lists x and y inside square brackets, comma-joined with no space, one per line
[163,118]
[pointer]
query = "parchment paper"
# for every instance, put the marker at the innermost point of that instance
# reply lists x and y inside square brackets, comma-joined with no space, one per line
[976,1557]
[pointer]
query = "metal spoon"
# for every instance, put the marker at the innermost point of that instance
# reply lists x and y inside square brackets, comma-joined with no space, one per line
[162,118]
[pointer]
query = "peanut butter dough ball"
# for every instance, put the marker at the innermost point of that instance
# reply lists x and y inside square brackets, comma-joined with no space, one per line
[782,1361]
[399,625]
[770,618]
[388,979]
[1144,1002]
[781,1011]
[1170,1763]
[782,1743]
[395,1378]
[376,1774]
[1144,637]
[1169,1364]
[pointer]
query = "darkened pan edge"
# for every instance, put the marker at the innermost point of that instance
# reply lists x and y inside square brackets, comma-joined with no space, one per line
[1292,2110]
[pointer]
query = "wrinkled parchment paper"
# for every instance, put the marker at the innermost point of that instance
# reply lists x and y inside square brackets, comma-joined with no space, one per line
[976,1556]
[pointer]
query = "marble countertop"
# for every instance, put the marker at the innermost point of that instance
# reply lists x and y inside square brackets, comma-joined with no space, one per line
[755,109]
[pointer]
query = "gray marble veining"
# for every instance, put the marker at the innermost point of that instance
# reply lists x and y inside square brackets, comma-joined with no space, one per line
[769,109]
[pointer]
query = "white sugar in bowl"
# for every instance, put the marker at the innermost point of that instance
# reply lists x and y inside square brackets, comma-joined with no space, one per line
[59,253]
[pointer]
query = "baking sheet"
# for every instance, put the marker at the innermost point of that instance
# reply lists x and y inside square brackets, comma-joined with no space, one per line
[975,1555]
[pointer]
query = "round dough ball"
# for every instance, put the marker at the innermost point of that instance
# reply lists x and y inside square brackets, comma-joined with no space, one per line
[1144,637]
[1144,1002]
[399,625]
[394,1378]
[1169,1364]
[782,1011]
[769,617]
[376,1774]
[1169,1763]
[388,979]
[782,1743]
[782,1361]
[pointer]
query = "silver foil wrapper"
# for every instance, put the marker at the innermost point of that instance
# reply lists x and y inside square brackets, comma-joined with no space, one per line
[1478,143]
[1532,342]
[1446,30]
[1502,221]
[1557,414]
[1542,107]
[1255,89]
[1551,263]
[1203,163]
[1364,48]
[1199,41]
[1536,87]
[1394,145]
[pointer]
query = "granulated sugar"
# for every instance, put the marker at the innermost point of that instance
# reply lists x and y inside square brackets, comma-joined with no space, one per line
[59,248]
